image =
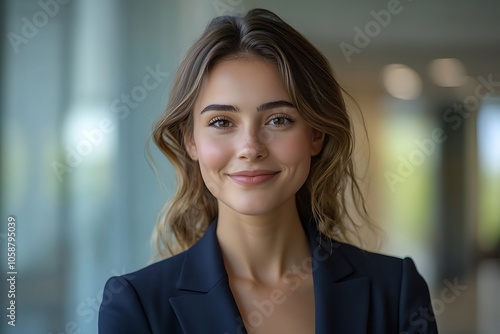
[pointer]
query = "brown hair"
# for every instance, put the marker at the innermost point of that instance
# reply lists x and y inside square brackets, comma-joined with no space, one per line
[311,86]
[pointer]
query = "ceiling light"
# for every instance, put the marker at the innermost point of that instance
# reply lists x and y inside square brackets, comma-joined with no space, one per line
[402,82]
[448,72]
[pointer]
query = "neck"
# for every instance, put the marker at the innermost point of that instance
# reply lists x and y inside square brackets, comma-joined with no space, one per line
[262,248]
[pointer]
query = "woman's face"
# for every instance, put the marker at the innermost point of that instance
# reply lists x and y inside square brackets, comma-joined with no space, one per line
[253,147]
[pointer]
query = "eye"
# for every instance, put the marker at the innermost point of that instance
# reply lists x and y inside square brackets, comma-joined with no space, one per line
[219,123]
[280,120]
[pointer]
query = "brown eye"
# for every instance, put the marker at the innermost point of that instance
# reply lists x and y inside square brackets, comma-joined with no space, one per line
[219,123]
[277,121]
[280,120]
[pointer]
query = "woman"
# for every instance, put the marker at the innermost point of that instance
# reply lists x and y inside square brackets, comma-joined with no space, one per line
[259,135]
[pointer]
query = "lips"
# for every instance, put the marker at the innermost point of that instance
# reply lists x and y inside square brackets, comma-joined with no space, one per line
[253,177]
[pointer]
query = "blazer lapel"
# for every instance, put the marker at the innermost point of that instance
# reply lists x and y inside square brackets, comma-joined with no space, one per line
[208,305]
[341,298]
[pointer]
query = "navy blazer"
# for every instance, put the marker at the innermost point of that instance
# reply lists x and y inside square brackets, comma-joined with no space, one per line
[355,291]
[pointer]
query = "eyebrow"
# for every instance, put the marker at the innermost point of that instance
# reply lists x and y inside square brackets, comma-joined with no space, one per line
[262,107]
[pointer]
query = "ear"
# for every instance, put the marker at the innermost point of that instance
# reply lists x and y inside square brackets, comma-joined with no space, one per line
[318,138]
[190,146]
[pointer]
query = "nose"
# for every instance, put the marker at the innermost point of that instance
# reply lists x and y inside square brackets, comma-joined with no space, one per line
[253,145]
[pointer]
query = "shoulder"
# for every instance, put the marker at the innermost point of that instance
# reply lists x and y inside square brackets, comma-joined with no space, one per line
[397,284]
[375,264]
[135,302]
[163,271]
[154,282]
[385,271]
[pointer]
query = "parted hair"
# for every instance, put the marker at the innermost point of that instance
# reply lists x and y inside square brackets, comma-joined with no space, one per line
[331,190]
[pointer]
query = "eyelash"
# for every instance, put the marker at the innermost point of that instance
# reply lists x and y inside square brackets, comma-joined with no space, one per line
[284,116]
[218,119]
[214,120]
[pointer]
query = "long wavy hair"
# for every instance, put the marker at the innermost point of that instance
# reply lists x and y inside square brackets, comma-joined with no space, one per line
[331,187]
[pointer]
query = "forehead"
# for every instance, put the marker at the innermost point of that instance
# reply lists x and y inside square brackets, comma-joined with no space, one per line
[247,75]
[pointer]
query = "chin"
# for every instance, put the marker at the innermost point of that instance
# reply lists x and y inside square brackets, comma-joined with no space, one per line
[253,206]
[252,209]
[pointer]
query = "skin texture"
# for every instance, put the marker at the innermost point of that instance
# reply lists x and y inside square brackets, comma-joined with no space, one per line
[244,120]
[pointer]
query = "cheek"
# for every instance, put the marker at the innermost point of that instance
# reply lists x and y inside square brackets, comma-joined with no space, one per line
[213,157]
[213,153]
[293,149]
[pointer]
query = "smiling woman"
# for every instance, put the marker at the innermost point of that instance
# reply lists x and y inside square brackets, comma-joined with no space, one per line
[261,140]
[253,149]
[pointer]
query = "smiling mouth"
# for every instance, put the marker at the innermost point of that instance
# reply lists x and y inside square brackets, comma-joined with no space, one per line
[253,178]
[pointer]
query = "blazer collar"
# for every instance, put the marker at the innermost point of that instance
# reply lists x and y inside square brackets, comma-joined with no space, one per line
[210,306]
[341,297]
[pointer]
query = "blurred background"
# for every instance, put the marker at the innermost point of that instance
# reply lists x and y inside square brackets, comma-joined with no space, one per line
[82,82]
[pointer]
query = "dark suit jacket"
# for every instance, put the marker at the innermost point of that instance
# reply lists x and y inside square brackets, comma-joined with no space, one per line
[355,292]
